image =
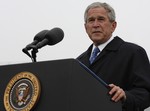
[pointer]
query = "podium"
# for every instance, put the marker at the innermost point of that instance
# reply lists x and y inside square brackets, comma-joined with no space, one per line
[65,85]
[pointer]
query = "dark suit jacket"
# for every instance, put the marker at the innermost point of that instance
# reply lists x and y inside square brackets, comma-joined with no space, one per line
[126,65]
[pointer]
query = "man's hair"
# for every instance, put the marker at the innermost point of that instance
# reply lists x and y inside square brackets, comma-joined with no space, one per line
[107,7]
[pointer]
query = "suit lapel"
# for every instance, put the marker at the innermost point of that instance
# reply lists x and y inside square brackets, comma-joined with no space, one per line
[112,47]
[84,58]
[104,56]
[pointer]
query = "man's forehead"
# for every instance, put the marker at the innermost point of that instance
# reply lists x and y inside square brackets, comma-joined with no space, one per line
[99,10]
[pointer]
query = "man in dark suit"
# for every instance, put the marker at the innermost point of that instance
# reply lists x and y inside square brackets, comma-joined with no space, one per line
[123,65]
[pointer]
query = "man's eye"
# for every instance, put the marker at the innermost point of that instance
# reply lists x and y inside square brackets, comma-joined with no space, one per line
[101,19]
[91,20]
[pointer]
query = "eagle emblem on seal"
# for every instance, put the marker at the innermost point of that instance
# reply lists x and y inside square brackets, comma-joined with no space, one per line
[22,94]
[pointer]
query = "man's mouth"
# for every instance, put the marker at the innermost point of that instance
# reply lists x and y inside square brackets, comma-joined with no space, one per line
[94,32]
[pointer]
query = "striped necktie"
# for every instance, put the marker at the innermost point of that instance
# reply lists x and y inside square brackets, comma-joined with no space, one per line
[94,54]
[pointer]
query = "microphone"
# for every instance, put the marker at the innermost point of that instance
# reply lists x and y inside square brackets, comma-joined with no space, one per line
[52,37]
[38,37]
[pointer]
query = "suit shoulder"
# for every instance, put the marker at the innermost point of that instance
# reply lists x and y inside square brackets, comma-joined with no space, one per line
[81,56]
[132,47]
[126,47]
[126,44]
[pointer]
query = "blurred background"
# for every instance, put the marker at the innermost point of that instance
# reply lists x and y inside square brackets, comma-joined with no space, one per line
[21,20]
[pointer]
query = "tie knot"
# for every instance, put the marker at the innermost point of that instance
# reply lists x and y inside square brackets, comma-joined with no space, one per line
[96,51]
[94,54]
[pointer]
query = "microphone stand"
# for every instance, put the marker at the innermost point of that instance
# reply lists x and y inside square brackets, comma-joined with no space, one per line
[34,51]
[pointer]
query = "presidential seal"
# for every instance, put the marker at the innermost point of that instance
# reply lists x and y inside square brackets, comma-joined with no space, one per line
[22,92]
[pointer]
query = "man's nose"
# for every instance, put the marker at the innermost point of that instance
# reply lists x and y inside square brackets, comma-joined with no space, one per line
[96,23]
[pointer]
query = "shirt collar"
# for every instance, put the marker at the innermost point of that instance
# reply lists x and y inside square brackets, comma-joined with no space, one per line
[102,46]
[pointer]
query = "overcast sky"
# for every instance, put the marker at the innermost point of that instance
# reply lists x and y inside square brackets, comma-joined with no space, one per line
[21,20]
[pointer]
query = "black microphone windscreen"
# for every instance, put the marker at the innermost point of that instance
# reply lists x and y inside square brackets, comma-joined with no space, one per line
[41,35]
[54,36]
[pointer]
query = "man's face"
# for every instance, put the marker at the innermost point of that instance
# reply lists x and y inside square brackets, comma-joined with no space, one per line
[98,26]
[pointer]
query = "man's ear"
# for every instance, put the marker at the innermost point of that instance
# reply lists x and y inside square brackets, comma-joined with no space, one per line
[114,25]
[85,27]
